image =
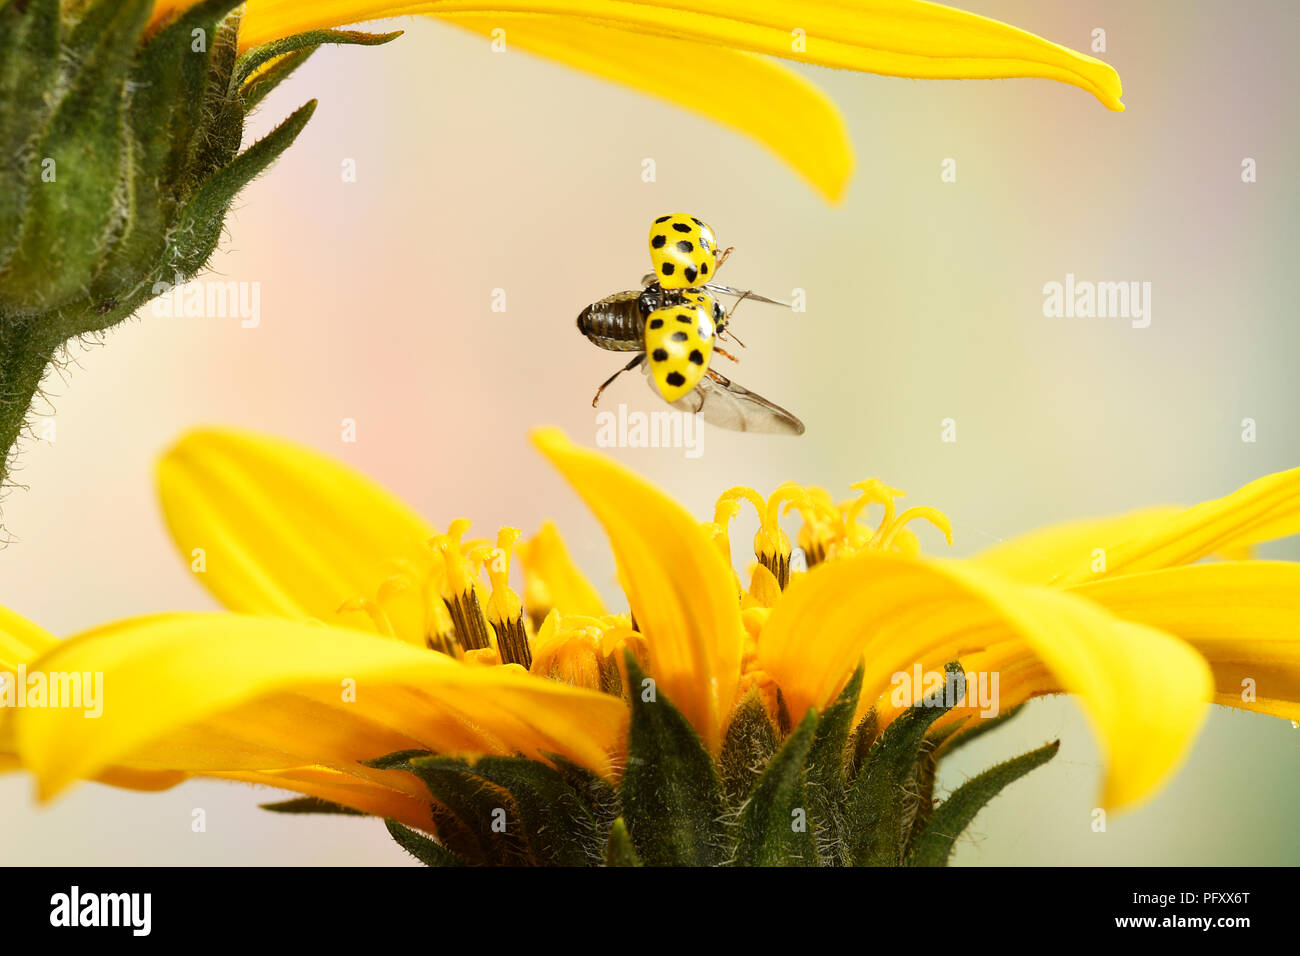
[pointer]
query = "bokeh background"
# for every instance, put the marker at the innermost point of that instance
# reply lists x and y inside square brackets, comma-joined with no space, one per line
[478,171]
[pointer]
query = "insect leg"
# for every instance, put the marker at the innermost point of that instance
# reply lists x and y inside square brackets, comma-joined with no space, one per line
[722,257]
[610,381]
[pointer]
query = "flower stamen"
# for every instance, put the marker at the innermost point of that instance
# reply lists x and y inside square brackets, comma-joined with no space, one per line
[460,594]
[505,609]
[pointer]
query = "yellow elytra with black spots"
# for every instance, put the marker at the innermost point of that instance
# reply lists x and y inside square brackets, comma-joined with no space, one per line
[678,345]
[683,251]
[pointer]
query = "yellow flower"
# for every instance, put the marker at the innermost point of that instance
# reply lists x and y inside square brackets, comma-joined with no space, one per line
[712,56]
[342,592]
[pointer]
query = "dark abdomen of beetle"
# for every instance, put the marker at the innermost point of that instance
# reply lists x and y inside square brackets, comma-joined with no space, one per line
[615,323]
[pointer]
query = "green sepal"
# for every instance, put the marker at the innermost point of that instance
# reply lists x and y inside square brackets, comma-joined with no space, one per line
[619,850]
[29,48]
[248,63]
[876,821]
[827,774]
[397,760]
[597,795]
[312,805]
[933,843]
[973,730]
[747,747]
[671,795]
[775,829]
[257,89]
[559,828]
[427,851]
[203,215]
[479,807]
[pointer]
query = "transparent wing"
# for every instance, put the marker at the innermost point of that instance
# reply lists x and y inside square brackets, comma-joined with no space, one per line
[650,278]
[724,404]
[748,294]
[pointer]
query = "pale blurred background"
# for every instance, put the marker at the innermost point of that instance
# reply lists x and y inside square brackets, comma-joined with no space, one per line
[478,171]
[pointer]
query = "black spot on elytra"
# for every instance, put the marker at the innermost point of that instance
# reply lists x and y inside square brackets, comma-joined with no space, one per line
[656,323]
[676,379]
[696,357]
[681,227]
[659,355]
[685,246]
[667,268]
[704,268]
[683,317]
[658,242]
[690,273]
[663,219]
[696,221]
[680,336]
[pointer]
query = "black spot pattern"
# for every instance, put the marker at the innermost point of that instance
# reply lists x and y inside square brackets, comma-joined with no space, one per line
[676,379]
[658,242]
[697,222]
[704,268]
[656,323]
[681,227]
[685,246]
[681,336]
[663,219]
[696,357]
[667,268]
[683,317]
[659,355]
[690,273]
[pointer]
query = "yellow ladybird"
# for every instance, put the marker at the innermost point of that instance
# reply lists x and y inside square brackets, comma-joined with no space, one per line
[683,251]
[679,344]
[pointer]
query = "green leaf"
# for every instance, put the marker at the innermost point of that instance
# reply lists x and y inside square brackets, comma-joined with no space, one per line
[774,825]
[619,851]
[876,818]
[671,795]
[559,828]
[421,847]
[251,60]
[933,845]
[749,744]
[485,810]
[312,805]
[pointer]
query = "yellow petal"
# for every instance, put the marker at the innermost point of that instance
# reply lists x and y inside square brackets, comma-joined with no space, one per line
[765,100]
[1040,555]
[679,587]
[225,692]
[21,640]
[280,529]
[1244,618]
[552,580]
[1142,690]
[1264,510]
[344,789]
[891,37]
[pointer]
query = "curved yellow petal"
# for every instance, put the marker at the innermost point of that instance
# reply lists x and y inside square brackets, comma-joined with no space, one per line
[1143,690]
[21,640]
[280,529]
[1243,617]
[1040,555]
[344,789]
[552,580]
[891,37]
[679,587]
[226,692]
[753,95]
[1264,510]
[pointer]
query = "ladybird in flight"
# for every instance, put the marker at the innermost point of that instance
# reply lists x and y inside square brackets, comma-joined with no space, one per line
[673,323]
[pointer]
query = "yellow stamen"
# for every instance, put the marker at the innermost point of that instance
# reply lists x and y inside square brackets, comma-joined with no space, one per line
[873,491]
[505,609]
[884,539]
[371,609]
[771,545]
[459,590]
